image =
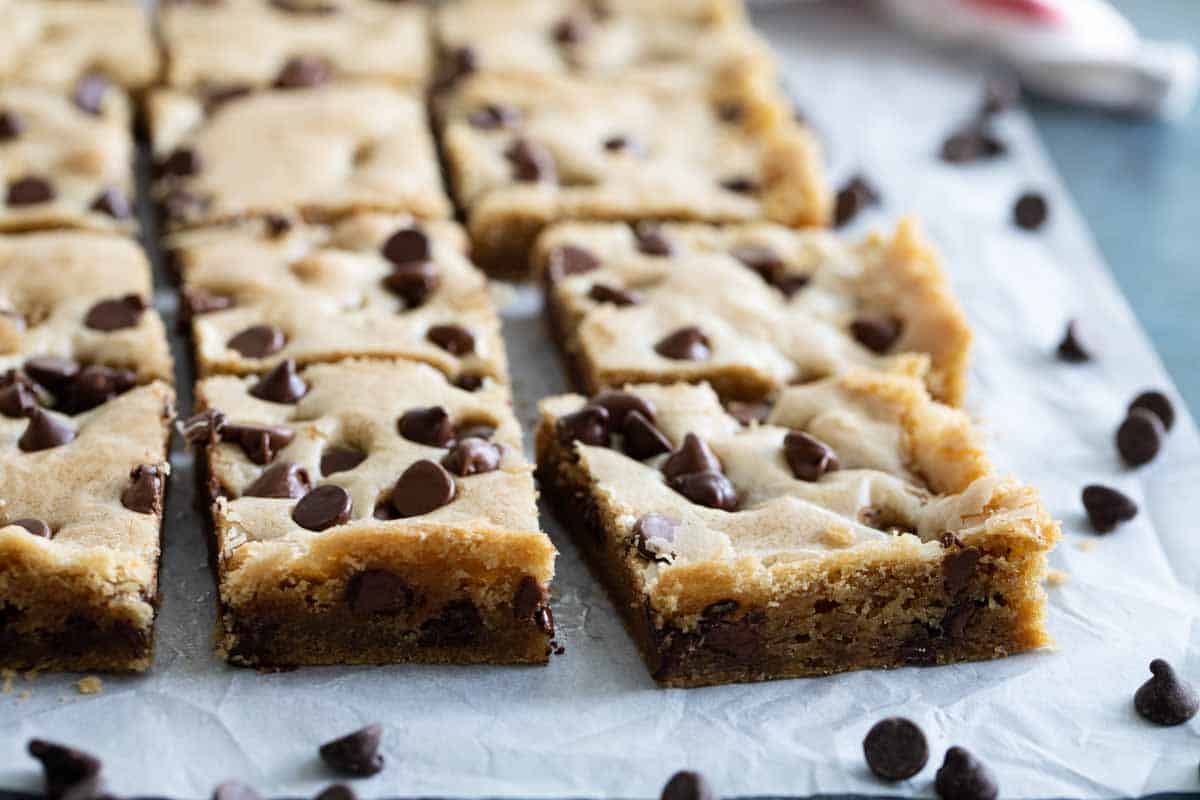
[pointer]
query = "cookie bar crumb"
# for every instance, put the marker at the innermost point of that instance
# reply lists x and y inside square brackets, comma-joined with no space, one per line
[89,684]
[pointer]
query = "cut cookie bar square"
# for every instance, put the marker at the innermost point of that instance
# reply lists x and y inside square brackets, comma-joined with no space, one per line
[254,44]
[527,152]
[860,526]
[748,308]
[262,291]
[323,152]
[77,46]
[383,515]
[63,164]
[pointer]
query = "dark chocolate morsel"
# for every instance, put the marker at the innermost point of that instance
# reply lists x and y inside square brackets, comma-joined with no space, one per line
[30,191]
[424,487]
[44,432]
[895,749]
[257,341]
[356,753]
[1071,348]
[877,334]
[651,532]
[303,72]
[685,344]
[1140,437]
[964,777]
[341,458]
[285,480]
[589,425]
[454,339]
[531,162]
[1107,508]
[1031,211]
[35,527]
[144,495]
[283,384]
[1158,403]
[69,773]
[116,314]
[619,404]
[1166,699]
[687,785]
[472,456]
[808,456]
[694,455]
[323,508]
[570,259]
[378,591]
[429,426]
[709,489]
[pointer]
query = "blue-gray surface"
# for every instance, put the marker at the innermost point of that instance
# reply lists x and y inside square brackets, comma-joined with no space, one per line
[1137,182]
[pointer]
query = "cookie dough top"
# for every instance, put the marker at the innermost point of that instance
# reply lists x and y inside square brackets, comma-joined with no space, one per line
[371,285]
[79,296]
[408,451]
[63,164]
[554,147]
[55,43]
[259,43]
[326,151]
[788,305]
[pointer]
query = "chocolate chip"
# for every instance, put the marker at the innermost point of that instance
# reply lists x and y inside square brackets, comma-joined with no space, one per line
[589,425]
[1157,403]
[90,91]
[748,413]
[115,315]
[1071,347]
[341,458]
[1030,211]
[195,301]
[454,339]
[338,791]
[1166,699]
[356,753]
[493,116]
[11,125]
[303,72]
[652,535]
[35,527]
[1107,508]
[603,293]
[469,382]
[44,432]
[29,191]
[113,202]
[68,772]
[619,404]
[407,246]
[808,456]
[531,162]
[181,163]
[234,790]
[472,456]
[260,443]
[458,623]
[378,591]
[895,749]
[56,374]
[685,344]
[424,487]
[17,399]
[1140,437]
[760,258]
[96,385]
[283,480]
[457,64]
[731,112]
[877,334]
[852,199]
[281,385]
[258,341]
[144,494]
[642,440]
[322,508]
[963,777]
[958,566]
[740,184]
[710,489]
[792,283]
[652,241]
[687,786]
[694,455]
[530,598]
[413,282]
[569,259]
[622,143]
[429,426]
[972,142]
[572,30]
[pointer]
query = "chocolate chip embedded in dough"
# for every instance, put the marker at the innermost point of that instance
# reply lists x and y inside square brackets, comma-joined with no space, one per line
[113,202]
[17,399]
[809,457]
[895,749]
[35,527]
[651,532]
[876,333]
[283,480]
[424,487]
[257,341]
[260,443]
[852,199]
[622,298]
[589,425]
[144,494]
[323,508]
[95,385]
[182,162]
[12,125]
[740,184]
[1140,437]
[493,117]
[407,246]
[709,489]
[964,777]
[531,162]
[283,384]
[44,432]
[56,374]
[749,413]
[303,72]
[652,241]
[454,339]
[356,753]
[341,458]
[641,438]
[693,456]
[570,259]
[413,282]
[620,403]
[1157,403]
[29,191]
[427,425]
[472,456]
[115,314]
[196,301]
[1166,699]
[1107,508]
[958,565]
[379,591]
[685,344]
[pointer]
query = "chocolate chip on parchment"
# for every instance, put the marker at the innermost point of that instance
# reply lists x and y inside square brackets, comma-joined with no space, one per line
[1107,508]
[424,487]
[44,432]
[1071,348]
[972,142]
[29,191]
[685,344]
[650,535]
[531,162]
[603,293]
[709,489]
[876,333]
[257,341]
[182,162]
[1157,403]
[569,259]
[341,458]
[283,384]
[428,425]
[642,439]
[1166,699]
[11,125]
[234,790]
[144,494]
[90,91]
[378,591]
[652,241]
[303,72]
[115,314]
[687,785]
[323,508]
[895,749]
[1031,211]
[808,456]
[35,527]
[693,456]
[964,777]
[285,480]
[589,425]
[1140,437]
[472,456]
[454,339]
[852,199]
[338,791]
[68,772]
[113,202]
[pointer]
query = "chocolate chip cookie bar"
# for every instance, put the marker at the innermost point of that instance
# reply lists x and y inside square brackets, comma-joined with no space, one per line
[859,526]
[260,292]
[333,150]
[65,161]
[524,152]
[372,513]
[748,308]
[252,44]
[85,413]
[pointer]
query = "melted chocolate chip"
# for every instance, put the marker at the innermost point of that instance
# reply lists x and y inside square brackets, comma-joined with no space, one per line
[356,753]
[531,162]
[115,315]
[472,456]
[341,458]
[1166,699]
[113,202]
[685,344]
[603,293]
[693,456]
[68,772]
[808,456]
[424,487]
[1031,211]
[1140,437]
[958,567]
[653,535]
[144,495]
[378,591]
[429,426]
[258,341]
[323,508]
[589,425]
[530,601]
[895,749]
[458,623]
[454,339]
[1157,403]
[641,438]
[30,191]
[877,334]
[570,259]
[1071,349]
[35,527]
[303,72]
[90,91]
[281,385]
[1107,508]
[96,385]
[963,777]
[44,432]
[56,374]
[283,480]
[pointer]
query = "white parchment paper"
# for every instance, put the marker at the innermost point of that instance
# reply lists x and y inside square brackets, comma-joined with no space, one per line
[1055,723]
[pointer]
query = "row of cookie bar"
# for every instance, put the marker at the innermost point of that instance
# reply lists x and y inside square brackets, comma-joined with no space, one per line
[85,411]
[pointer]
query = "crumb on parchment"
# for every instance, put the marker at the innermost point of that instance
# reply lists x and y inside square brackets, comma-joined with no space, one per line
[1056,577]
[1085,545]
[89,685]
[7,676]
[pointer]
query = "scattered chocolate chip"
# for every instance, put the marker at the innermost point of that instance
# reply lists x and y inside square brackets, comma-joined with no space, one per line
[1031,211]
[958,566]
[972,142]
[407,246]
[90,91]
[748,413]
[603,293]
[234,790]
[693,456]
[144,495]
[531,162]
[424,487]
[641,439]
[852,199]
[472,456]
[808,456]
[895,749]
[341,458]
[378,591]
[572,29]
[68,772]
[96,385]
[260,443]
[338,791]
[650,535]
[710,489]
[303,72]
[740,184]
[196,301]
[29,191]
[570,260]
[963,777]
[877,334]
[17,399]
[619,404]
[454,339]
[687,785]
[44,432]
[181,163]
[35,527]
[652,241]
[1158,404]
[356,753]
[281,385]
[685,344]
[1107,508]
[1166,699]
[283,480]
[322,508]
[258,341]
[116,314]
[113,202]
[11,125]
[1071,347]
[429,426]
[589,425]
[1140,437]
[493,116]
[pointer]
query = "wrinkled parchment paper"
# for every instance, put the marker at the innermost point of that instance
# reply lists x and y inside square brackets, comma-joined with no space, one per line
[1057,723]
